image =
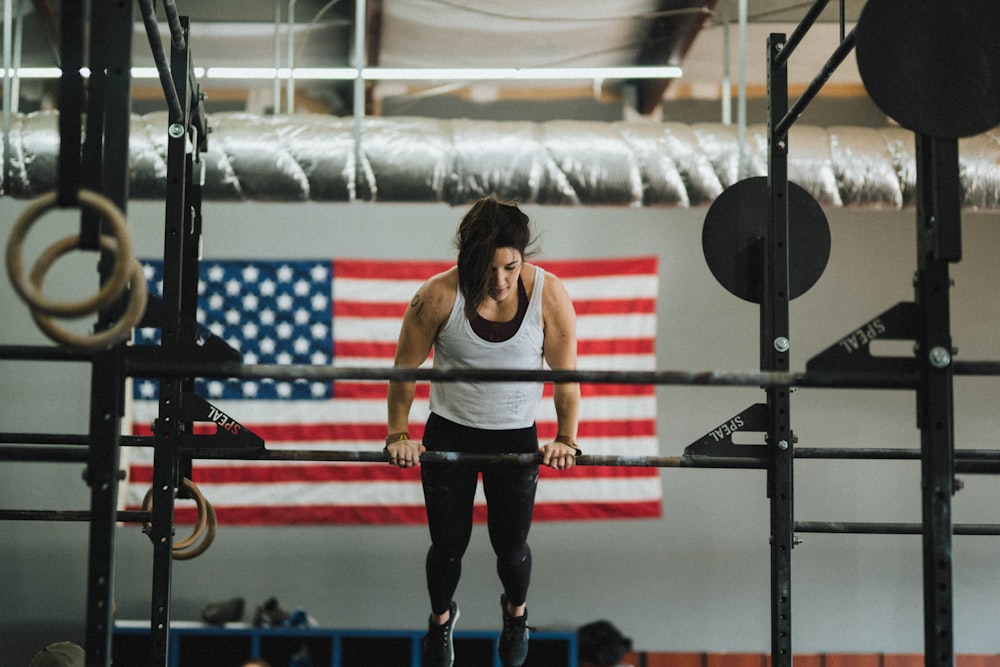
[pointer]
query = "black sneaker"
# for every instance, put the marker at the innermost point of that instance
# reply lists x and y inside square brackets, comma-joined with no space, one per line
[438,648]
[513,645]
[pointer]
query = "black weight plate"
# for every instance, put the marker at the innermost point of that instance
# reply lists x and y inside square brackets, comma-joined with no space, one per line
[735,230]
[933,65]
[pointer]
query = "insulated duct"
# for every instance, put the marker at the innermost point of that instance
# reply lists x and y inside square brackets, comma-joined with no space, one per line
[572,163]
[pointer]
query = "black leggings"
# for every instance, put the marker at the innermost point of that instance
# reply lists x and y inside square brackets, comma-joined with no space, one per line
[449,492]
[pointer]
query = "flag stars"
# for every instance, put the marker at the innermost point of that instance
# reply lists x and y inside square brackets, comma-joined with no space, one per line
[250,331]
[267,346]
[215,302]
[285,302]
[317,389]
[268,288]
[285,274]
[249,389]
[284,330]
[319,330]
[319,273]
[233,287]
[302,346]
[302,288]
[215,388]
[284,358]
[251,274]
[250,302]
[318,359]
[232,317]
[319,302]
[216,273]
[302,317]
[267,317]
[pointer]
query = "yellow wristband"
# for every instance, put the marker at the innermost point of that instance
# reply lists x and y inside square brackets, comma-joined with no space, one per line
[397,437]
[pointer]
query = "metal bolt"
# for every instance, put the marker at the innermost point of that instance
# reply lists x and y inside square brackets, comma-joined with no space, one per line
[796,540]
[939,357]
[781,344]
[176,130]
[782,444]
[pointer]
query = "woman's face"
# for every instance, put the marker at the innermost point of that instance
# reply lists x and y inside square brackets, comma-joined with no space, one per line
[504,271]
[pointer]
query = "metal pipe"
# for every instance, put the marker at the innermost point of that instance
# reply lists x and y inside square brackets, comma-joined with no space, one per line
[162,65]
[8,12]
[174,22]
[360,62]
[889,528]
[290,84]
[277,57]
[844,48]
[124,516]
[741,103]
[800,31]
[151,367]
[44,454]
[726,92]
[351,456]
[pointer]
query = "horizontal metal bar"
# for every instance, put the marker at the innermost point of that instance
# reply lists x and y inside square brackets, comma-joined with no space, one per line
[800,32]
[42,353]
[889,528]
[124,516]
[841,52]
[44,454]
[152,367]
[380,456]
[977,368]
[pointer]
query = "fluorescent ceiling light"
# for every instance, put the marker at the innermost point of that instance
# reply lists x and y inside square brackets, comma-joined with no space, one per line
[525,73]
[393,73]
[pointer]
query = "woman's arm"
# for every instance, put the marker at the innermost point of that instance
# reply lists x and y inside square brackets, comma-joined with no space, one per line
[559,348]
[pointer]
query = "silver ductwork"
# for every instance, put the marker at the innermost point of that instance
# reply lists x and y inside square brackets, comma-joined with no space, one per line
[573,163]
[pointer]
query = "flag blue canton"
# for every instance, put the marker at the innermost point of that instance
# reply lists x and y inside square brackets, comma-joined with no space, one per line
[271,312]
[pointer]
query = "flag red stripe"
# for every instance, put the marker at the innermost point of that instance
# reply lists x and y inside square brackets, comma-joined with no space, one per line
[379,269]
[368,309]
[406,514]
[614,306]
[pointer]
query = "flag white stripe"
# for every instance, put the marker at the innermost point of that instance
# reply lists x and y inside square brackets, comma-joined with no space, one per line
[372,411]
[550,490]
[383,291]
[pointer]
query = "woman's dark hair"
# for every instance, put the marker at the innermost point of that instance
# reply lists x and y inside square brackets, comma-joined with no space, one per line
[489,224]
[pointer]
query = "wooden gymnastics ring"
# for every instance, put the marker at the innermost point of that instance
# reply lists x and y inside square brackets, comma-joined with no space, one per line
[206,521]
[105,338]
[112,287]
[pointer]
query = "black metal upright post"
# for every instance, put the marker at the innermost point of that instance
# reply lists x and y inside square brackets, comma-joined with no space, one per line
[774,356]
[106,169]
[169,430]
[938,243]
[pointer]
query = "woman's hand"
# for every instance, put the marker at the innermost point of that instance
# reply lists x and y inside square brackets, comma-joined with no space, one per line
[405,453]
[559,455]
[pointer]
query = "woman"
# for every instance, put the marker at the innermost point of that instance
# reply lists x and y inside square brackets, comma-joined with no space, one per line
[492,310]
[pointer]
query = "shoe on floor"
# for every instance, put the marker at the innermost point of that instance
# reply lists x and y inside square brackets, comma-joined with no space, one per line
[438,646]
[513,644]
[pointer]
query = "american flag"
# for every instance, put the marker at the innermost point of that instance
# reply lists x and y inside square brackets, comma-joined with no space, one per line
[347,313]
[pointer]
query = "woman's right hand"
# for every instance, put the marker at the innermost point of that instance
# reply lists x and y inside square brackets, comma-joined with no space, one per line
[405,453]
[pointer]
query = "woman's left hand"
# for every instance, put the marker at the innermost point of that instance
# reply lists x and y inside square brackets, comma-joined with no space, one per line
[558,455]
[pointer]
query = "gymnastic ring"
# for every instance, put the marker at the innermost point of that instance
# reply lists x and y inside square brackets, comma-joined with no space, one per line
[112,287]
[105,338]
[206,521]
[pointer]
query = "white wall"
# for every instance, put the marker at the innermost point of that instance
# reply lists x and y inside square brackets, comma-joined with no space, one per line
[697,579]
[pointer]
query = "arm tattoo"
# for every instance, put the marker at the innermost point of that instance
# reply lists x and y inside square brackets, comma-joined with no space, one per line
[417,304]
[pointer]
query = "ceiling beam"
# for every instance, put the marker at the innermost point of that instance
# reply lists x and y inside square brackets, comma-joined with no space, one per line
[667,41]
